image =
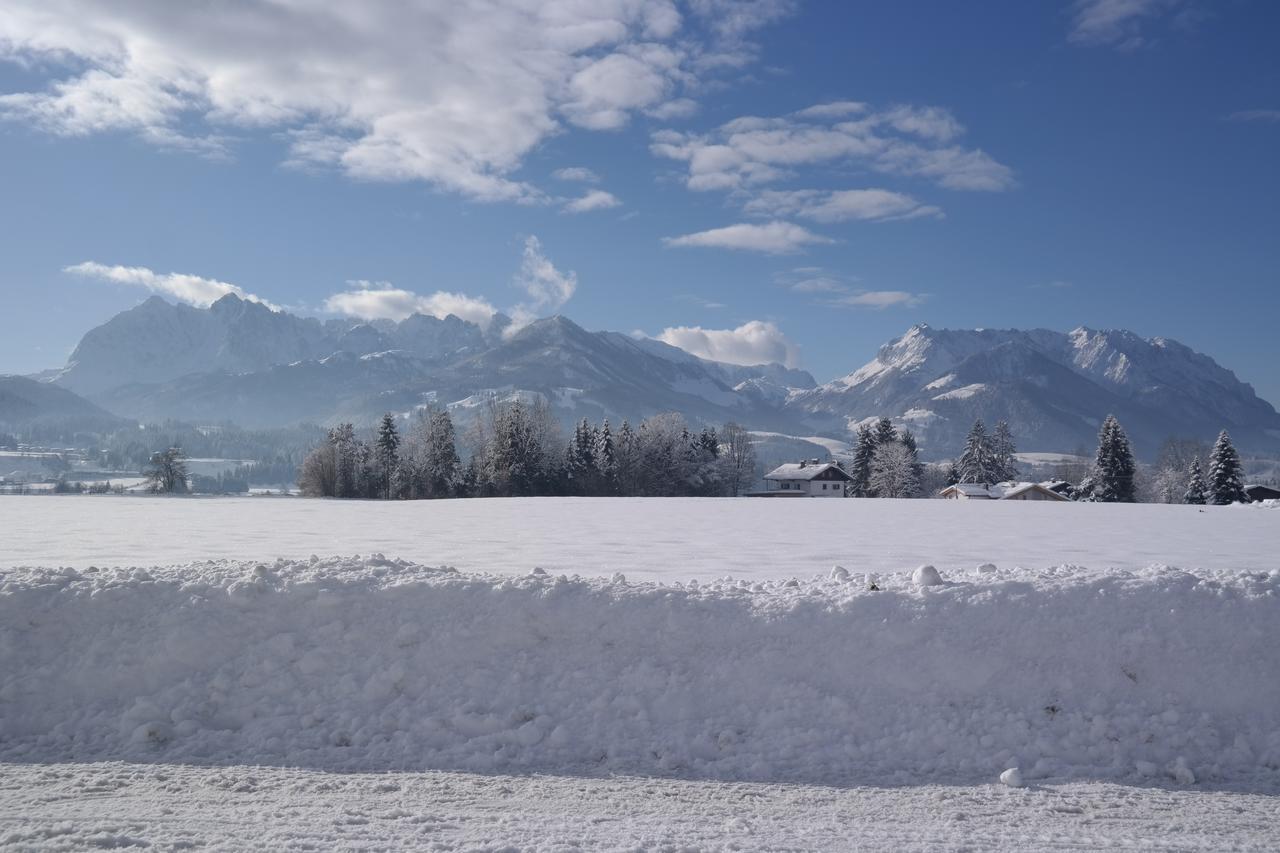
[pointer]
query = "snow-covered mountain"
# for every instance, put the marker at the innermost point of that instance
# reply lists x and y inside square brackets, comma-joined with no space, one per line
[240,361]
[1054,388]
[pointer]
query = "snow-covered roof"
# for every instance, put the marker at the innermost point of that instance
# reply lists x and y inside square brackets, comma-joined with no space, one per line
[803,471]
[1001,491]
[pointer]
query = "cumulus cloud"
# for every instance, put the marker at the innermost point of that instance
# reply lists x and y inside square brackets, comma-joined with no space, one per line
[454,94]
[1121,23]
[775,238]
[592,200]
[547,288]
[750,151]
[755,342]
[191,289]
[881,299]
[370,300]
[839,205]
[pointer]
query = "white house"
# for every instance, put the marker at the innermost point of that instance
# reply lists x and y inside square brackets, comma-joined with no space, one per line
[812,479]
[1001,492]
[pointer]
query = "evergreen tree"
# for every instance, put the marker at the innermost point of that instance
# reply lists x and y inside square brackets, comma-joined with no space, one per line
[1195,493]
[860,471]
[884,433]
[977,463]
[387,455]
[1112,479]
[1003,450]
[626,459]
[440,456]
[606,460]
[1225,473]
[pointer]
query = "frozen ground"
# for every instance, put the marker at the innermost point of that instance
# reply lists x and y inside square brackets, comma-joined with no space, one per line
[374,702]
[674,538]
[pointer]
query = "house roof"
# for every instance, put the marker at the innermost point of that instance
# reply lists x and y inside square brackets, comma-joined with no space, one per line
[805,471]
[1002,491]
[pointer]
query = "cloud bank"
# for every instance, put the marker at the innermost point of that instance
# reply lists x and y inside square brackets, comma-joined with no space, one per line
[191,289]
[774,238]
[381,301]
[451,93]
[756,342]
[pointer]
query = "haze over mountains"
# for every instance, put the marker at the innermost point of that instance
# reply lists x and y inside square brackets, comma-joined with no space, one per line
[240,361]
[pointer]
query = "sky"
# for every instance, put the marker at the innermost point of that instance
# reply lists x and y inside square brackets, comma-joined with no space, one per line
[763,180]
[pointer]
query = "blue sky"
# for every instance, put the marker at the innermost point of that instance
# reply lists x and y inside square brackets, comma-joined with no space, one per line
[765,179]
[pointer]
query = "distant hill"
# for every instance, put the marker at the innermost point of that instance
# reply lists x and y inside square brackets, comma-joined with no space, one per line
[25,402]
[240,361]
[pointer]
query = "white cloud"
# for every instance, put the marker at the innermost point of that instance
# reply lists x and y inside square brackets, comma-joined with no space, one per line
[381,301]
[775,238]
[191,289]
[756,342]
[677,108]
[839,205]
[580,174]
[1272,116]
[547,288]
[1119,23]
[881,299]
[749,151]
[451,93]
[592,200]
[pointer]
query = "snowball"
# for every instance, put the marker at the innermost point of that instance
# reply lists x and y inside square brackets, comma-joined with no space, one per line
[926,576]
[1011,777]
[1181,773]
[839,573]
[538,570]
[986,568]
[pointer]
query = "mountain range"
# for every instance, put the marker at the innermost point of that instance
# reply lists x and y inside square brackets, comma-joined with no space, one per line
[243,362]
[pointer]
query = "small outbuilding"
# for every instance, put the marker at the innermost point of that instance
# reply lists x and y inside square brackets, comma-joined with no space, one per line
[806,479]
[1257,494]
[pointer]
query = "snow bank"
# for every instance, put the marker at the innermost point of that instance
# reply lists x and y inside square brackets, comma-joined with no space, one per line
[380,664]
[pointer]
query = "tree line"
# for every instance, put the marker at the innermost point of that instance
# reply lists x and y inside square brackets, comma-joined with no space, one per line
[517,450]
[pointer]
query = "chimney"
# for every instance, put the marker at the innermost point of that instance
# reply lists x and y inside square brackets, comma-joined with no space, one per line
[802,463]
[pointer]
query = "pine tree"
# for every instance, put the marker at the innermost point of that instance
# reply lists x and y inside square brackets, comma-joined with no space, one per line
[606,460]
[884,433]
[441,456]
[1195,493]
[977,463]
[1225,473]
[1113,466]
[860,471]
[626,453]
[1004,452]
[387,454]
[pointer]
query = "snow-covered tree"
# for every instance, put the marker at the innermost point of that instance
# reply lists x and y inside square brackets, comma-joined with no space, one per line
[1195,493]
[347,459]
[167,471]
[1225,474]
[894,471]
[860,470]
[977,463]
[606,460]
[883,432]
[1112,478]
[1004,452]
[628,459]
[318,477]
[738,458]
[387,455]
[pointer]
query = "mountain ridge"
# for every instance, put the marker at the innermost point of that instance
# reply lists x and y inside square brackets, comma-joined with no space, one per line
[244,362]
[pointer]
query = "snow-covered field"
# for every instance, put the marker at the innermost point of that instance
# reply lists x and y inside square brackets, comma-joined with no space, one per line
[645,538]
[398,701]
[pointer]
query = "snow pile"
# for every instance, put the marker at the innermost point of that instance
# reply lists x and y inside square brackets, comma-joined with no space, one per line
[380,664]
